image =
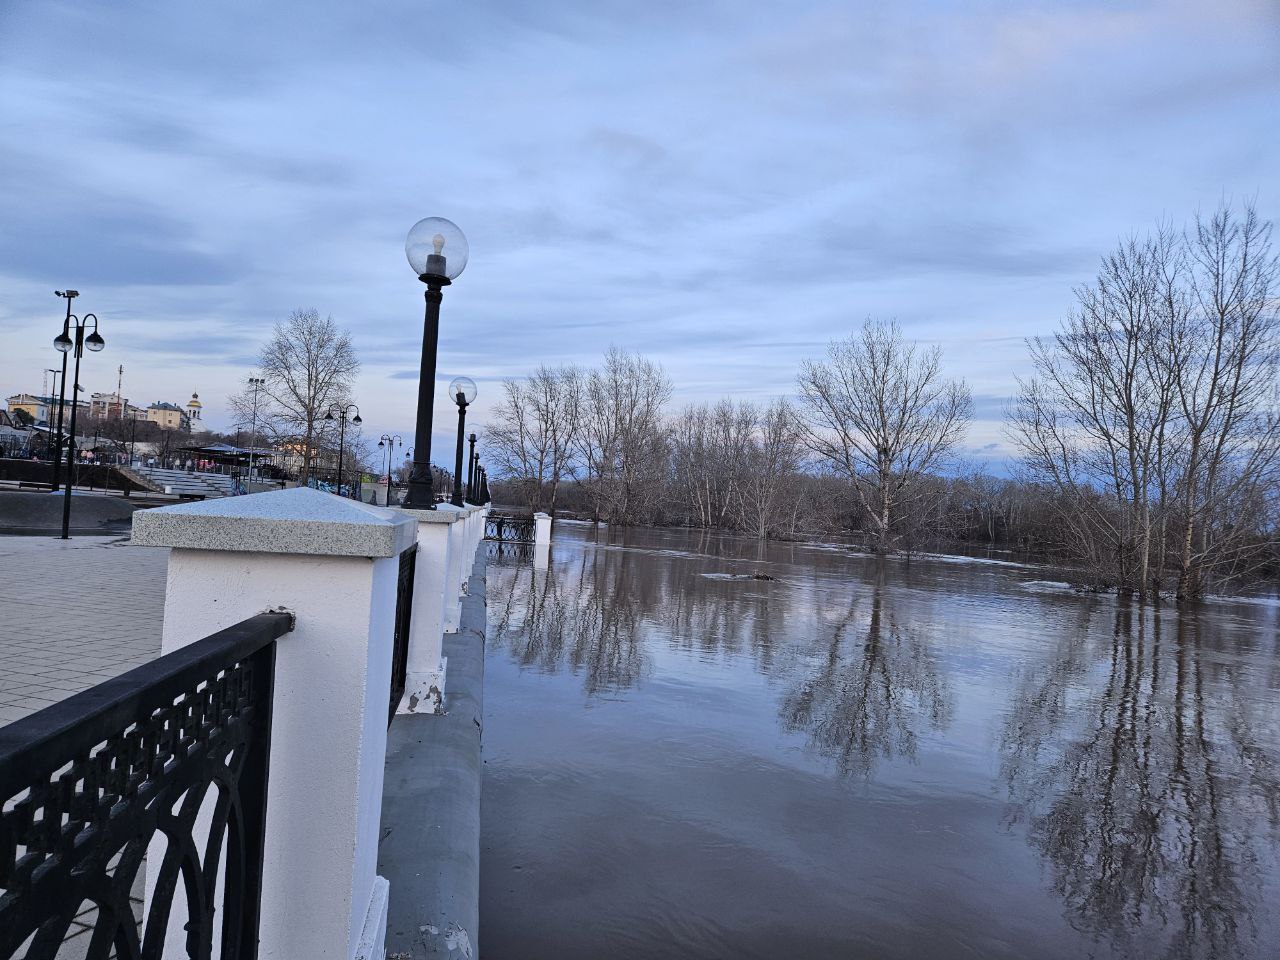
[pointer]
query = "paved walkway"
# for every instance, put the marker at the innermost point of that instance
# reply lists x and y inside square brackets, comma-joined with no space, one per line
[73,613]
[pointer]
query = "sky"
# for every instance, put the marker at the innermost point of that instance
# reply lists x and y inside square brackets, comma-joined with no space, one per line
[722,186]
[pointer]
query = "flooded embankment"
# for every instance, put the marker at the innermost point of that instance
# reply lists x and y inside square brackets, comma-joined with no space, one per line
[864,758]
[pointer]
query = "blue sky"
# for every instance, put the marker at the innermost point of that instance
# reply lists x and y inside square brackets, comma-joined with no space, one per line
[724,186]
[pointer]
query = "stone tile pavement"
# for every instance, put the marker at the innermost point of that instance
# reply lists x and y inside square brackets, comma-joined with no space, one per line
[73,613]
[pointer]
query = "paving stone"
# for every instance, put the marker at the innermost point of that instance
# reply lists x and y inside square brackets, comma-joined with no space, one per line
[72,614]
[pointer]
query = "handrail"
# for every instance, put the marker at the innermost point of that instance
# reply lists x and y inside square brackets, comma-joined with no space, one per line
[34,745]
[89,785]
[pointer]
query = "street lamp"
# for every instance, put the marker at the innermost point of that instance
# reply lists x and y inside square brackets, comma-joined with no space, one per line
[65,345]
[339,413]
[390,441]
[437,251]
[68,295]
[463,391]
[256,383]
[56,375]
[471,470]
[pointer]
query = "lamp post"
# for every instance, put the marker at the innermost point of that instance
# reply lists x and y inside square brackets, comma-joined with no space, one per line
[256,383]
[339,413]
[484,486]
[437,251]
[463,391]
[56,375]
[68,295]
[65,345]
[390,441]
[471,470]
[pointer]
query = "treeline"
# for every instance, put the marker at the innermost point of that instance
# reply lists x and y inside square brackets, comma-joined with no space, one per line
[1147,437]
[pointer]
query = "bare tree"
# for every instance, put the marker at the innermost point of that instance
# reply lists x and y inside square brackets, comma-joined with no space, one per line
[622,443]
[1095,419]
[772,460]
[880,413]
[308,364]
[710,461]
[1226,349]
[533,432]
[1151,412]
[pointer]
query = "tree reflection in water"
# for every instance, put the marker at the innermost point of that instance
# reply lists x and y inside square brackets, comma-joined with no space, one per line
[1145,779]
[873,689]
[582,613]
[1136,747]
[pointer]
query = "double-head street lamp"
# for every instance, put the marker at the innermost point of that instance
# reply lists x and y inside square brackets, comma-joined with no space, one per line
[463,391]
[65,345]
[437,251]
[340,413]
[68,295]
[390,441]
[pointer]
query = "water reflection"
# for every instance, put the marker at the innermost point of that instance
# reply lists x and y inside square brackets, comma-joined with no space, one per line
[1134,749]
[583,614]
[1144,777]
[875,683]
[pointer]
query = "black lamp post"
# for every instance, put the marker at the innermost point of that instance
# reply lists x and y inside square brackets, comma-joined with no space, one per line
[339,413]
[471,470]
[484,486]
[437,251]
[463,391]
[256,383]
[65,345]
[390,441]
[68,295]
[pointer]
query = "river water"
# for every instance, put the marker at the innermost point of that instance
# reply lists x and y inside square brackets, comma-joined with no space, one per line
[862,758]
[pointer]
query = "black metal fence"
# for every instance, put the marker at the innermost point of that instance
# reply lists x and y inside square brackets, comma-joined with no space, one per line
[508,529]
[88,784]
[400,639]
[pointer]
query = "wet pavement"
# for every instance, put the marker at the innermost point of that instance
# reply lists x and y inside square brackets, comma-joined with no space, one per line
[859,758]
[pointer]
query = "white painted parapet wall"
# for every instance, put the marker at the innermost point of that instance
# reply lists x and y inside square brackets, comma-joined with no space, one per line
[333,563]
[447,541]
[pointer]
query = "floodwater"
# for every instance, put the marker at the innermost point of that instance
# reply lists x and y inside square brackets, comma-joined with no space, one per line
[861,758]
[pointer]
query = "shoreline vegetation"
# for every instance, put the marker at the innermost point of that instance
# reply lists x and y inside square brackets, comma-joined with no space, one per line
[1146,435]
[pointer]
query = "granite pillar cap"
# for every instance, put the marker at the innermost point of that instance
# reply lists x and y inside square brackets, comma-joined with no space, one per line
[299,520]
[451,515]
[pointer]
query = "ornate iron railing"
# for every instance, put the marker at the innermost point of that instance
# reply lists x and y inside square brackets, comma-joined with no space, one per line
[506,529]
[400,638]
[167,761]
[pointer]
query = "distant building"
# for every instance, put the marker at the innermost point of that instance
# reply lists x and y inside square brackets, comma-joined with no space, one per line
[168,416]
[108,406]
[37,408]
[194,406]
[41,409]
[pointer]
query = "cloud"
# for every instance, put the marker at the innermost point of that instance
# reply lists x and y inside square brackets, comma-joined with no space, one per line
[713,184]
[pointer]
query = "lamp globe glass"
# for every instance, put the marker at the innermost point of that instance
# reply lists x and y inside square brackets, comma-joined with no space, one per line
[436,248]
[465,386]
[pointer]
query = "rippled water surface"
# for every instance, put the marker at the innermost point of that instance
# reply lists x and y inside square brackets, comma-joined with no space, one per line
[938,759]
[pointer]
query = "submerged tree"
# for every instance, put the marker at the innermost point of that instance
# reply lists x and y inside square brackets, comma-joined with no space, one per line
[623,443]
[1151,413]
[534,432]
[880,413]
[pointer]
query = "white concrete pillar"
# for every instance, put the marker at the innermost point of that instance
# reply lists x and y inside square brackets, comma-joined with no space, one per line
[333,563]
[426,667]
[542,529]
[457,571]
